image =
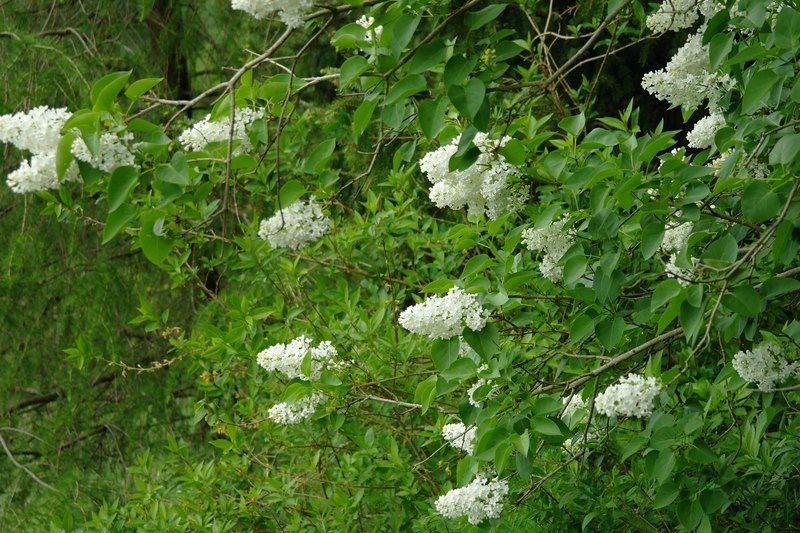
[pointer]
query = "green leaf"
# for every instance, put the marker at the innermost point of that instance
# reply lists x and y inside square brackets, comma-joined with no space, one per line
[223,444]
[484,342]
[411,84]
[574,124]
[155,247]
[467,99]
[457,69]
[756,89]
[489,441]
[787,28]
[428,56]
[759,203]
[776,286]
[719,48]
[431,116]
[290,192]
[363,115]
[352,69]
[117,221]
[574,269]
[426,393]
[319,156]
[744,300]
[444,352]
[610,332]
[105,90]
[461,368]
[476,264]
[662,466]
[440,285]
[402,31]
[691,320]
[139,87]
[665,495]
[785,150]
[476,19]
[545,426]
[121,183]
[514,152]
[176,172]
[64,157]
[348,36]
[652,236]
[664,292]
[722,251]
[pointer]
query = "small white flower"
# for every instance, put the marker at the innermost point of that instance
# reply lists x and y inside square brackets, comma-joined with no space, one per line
[764,365]
[373,32]
[293,413]
[111,154]
[444,317]
[291,12]
[477,385]
[554,242]
[676,237]
[288,358]
[460,436]
[702,135]
[630,396]
[477,501]
[206,131]
[683,275]
[295,226]
[572,404]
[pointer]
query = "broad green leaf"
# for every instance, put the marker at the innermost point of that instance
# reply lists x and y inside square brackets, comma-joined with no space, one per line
[117,221]
[785,150]
[431,116]
[444,352]
[440,285]
[106,90]
[756,89]
[484,342]
[155,247]
[664,292]
[457,69]
[352,69]
[362,116]
[402,31]
[514,152]
[476,264]
[652,236]
[476,19]
[425,393]
[743,300]
[410,85]
[759,203]
[140,87]
[722,251]
[719,48]
[461,368]
[64,157]
[319,157]
[776,286]
[120,184]
[610,332]
[428,56]
[691,320]
[468,99]
[348,36]
[787,28]
[665,495]
[573,125]
[176,172]
[290,192]
[545,426]
[489,441]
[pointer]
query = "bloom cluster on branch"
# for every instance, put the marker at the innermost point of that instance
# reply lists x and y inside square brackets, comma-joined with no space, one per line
[477,501]
[206,131]
[460,436]
[485,187]
[554,241]
[295,226]
[630,396]
[444,317]
[288,358]
[291,12]
[285,413]
[764,365]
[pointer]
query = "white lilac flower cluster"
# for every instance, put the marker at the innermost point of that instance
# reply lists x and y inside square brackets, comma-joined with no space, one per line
[702,135]
[291,12]
[572,404]
[293,413]
[200,134]
[374,33]
[630,396]
[554,241]
[477,501]
[676,15]
[684,276]
[444,317]
[485,187]
[37,131]
[295,226]
[288,358]
[460,436]
[764,365]
[480,382]
[676,237]
[112,152]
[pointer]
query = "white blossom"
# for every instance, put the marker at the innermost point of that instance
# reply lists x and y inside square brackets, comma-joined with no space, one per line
[37,131]
[39,174]
[554,241]
[444,317]
[477,385]
[484,187]
[630,396]
[373,33]
[295,226]
[574,446]
[676,237]
[111,154]
[288,358]
[460,436]
[200,134]
[686,79]
[290,12]
[683,275]
[764,365]
[477,501]
[572,404]
[702,135]
[292,413]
